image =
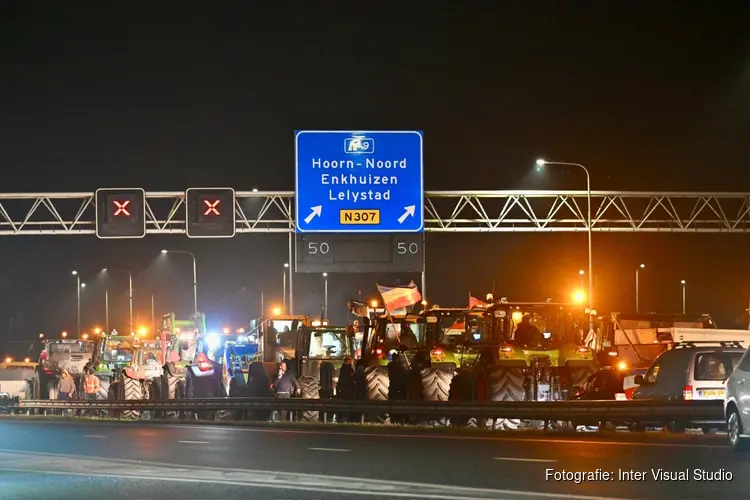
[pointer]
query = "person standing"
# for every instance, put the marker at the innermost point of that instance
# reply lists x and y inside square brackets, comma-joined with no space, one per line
[67,386]
[91,385]
[285,386]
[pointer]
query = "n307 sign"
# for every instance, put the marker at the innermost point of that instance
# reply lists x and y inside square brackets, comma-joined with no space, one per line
[210,213]
[120,213]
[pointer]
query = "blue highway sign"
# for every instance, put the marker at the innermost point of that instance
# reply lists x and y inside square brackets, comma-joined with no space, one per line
[359,181]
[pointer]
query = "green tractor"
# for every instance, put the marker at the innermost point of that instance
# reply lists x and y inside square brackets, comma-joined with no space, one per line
[412,356]
[319,355]
[542,366]
[185,358]
[113,355]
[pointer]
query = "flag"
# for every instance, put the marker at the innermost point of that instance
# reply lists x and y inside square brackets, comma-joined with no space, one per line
[474,302]
[399,297]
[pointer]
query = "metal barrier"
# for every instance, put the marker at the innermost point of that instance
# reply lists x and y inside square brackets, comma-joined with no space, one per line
[628,411]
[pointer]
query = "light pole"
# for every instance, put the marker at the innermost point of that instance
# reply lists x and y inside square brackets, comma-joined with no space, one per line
[684,296]
[637,293]
[106,311]
[283,300]
[79,285]
[130,296]
[195,276]
[325,295]
[540,163]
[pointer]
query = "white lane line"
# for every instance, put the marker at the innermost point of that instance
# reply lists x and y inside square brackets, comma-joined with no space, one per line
[95,436]
[194,442]
[498,439]
[515,459]
[328,449]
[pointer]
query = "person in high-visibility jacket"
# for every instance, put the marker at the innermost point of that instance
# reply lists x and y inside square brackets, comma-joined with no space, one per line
[91,385]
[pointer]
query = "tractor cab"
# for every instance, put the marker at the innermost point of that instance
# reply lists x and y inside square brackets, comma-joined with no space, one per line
[113,353]
[320,353]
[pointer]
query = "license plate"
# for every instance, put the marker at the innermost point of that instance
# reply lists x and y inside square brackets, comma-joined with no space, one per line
[620,396]
[712,393]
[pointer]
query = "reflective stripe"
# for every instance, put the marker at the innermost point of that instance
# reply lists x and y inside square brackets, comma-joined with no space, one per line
[92,384]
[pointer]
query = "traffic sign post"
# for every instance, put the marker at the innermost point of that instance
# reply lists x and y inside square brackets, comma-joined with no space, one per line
[359,181]
[120,213]
[210,213]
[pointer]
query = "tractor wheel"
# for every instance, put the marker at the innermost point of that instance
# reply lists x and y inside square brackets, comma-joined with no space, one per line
[436,384]
[377,383]
[173,383]
[132,390]
[578,376]
[501,383]
[309,389]
[52,389]
[103,392]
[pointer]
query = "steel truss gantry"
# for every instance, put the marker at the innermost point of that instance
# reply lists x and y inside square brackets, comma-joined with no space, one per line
[445,211]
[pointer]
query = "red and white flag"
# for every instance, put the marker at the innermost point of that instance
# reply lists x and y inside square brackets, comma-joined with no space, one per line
[474,302]
[399,297]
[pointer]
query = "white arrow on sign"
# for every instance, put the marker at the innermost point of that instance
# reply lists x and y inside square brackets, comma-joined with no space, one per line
[316,211]
[409,212]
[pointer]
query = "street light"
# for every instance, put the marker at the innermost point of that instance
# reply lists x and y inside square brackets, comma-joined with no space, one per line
[325,295]
[276,311]
[283,300]
[195,276]
[684,296]
[637,283]
[541,163]
[64,334]
[581,272]
[130,299]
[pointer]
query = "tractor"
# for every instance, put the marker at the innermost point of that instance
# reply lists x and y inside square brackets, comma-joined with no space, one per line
[319,354]
[237,357]
[56,356]
[509,369]
[278,339]
[190,368]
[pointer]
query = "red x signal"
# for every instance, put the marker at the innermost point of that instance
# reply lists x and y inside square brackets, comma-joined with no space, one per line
[212,207]
[121,207]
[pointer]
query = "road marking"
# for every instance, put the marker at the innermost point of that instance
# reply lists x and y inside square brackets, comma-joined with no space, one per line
[515,459]
[96,436]
[79,465]
[328,449]
[194,442]
[426,435]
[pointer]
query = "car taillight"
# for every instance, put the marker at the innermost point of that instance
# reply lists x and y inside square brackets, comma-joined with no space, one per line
[687,393]
[506,348]
[203,363]
[437,353]
[584,350]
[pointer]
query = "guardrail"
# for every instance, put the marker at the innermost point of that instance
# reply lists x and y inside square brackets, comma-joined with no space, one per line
[629,411]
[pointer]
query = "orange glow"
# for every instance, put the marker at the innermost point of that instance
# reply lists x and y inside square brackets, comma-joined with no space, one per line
[64,334]
[8,359]
[276,311]
[97,330]
[142,331]
[85,336]
[41,335]
[373,304]
[579,297]
[27,360]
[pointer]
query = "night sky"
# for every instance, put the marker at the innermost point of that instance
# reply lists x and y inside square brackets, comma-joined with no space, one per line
[94,95]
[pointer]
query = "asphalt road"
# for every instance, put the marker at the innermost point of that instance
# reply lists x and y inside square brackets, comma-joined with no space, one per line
[152,461]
